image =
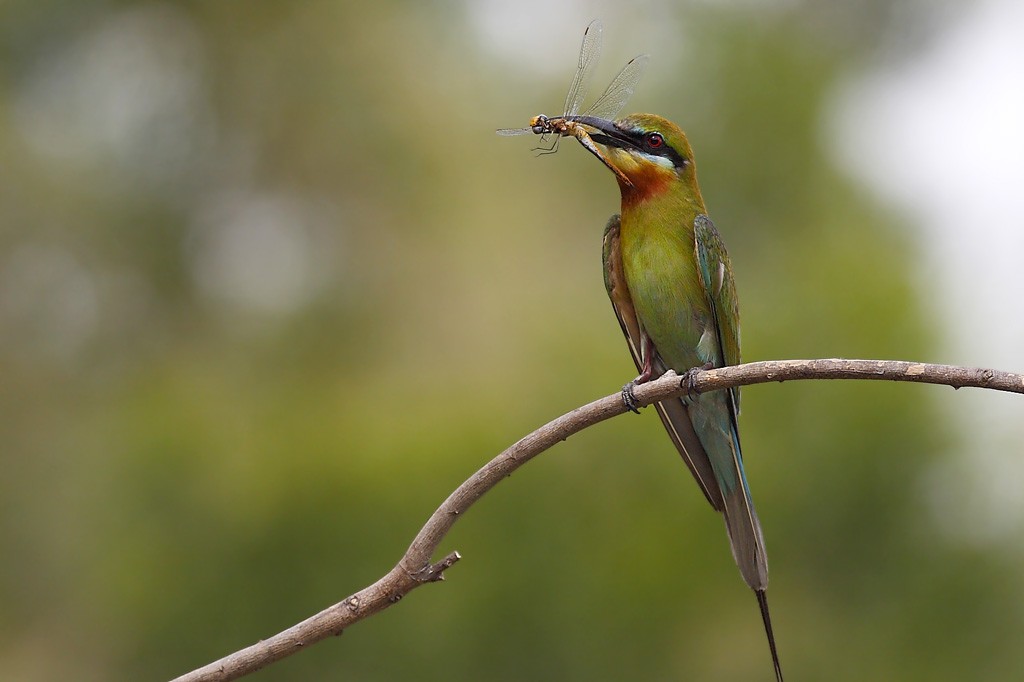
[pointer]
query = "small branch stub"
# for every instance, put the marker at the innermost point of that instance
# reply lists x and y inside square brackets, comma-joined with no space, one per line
[435,572]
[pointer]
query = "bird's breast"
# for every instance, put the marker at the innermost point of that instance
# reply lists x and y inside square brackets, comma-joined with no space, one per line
[660,266]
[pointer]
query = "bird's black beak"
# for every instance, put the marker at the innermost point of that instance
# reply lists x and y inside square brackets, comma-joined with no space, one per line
[609,135]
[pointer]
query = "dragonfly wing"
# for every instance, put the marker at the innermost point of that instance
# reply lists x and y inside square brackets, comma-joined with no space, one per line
[609,104]
[590,52]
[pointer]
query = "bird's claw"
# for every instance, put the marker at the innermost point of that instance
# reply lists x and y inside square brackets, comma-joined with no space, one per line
[628,399]
[689,381]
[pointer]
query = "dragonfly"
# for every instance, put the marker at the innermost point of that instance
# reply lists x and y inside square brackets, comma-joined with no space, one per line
[570,123]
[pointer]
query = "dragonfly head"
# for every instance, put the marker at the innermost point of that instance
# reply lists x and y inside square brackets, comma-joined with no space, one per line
[540,125]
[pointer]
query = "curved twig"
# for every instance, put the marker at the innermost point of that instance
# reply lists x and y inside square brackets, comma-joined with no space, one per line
[415,567]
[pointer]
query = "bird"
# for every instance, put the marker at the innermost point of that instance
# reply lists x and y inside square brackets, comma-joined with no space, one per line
[671,285]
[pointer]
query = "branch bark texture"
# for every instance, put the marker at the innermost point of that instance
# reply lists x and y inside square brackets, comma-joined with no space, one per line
[415,568]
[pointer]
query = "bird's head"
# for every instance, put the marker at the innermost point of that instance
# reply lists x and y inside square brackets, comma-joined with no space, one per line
[651,152]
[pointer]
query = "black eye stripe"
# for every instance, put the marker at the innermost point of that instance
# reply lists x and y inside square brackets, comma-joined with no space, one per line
[661,148]
[678,160]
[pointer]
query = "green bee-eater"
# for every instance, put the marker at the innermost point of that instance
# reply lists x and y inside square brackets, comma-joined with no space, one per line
[670,282]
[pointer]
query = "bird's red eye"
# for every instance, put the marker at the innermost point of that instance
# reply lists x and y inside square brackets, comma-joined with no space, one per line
[654,140]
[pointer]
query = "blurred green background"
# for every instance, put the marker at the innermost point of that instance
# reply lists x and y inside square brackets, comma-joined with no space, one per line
[271,287]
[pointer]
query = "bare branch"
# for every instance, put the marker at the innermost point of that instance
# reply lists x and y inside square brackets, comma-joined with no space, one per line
[415,567]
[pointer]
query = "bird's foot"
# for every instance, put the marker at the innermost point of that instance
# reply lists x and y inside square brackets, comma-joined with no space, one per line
[646,372]
[689,381]
[628,399]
